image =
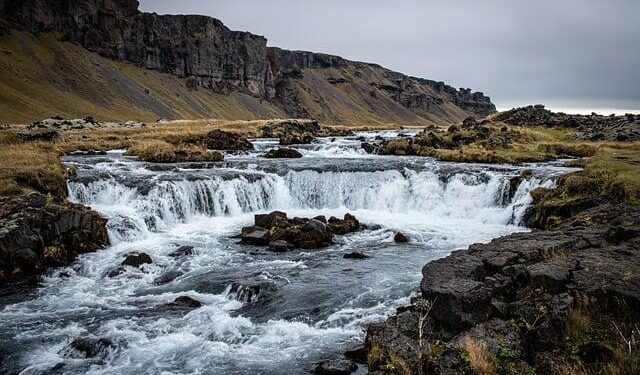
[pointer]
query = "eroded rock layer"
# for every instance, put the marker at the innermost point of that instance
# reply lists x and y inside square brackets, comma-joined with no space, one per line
[207,54]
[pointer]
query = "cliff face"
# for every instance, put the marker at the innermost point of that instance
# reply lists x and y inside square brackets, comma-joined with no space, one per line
[206,54]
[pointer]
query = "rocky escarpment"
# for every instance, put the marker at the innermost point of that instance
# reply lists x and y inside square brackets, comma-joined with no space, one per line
[593,127]
[540,302]
[206,54]
[36,233]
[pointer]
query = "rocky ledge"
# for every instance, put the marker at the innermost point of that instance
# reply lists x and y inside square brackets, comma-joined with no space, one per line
[593,127]
[541,302]
[36,233]
[282,234]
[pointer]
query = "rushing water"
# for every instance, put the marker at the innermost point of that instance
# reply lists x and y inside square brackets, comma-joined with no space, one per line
[309,305]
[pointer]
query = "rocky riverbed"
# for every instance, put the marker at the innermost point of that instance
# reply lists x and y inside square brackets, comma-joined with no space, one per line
[177,289]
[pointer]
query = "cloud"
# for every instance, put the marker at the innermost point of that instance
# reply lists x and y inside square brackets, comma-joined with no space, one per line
[575,52]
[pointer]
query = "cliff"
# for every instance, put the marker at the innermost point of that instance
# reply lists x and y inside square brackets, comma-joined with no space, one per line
[205,55]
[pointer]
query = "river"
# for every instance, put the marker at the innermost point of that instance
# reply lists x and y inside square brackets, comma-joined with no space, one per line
[267,313]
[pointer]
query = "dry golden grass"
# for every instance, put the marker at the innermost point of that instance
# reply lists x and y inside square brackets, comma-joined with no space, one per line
[31,167]
[478,355]
[158,151]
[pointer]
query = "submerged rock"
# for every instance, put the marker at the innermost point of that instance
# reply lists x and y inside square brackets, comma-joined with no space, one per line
[136,259]
[90,347]
[400,237]
[186,302]
[167,277]
[182,251]
[355,255]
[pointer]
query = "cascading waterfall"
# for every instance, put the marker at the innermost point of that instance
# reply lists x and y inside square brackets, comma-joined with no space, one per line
[465,196]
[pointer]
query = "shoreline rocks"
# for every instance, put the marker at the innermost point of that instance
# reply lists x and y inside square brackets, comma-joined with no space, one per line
[282,234]
[518,295]
[36,233]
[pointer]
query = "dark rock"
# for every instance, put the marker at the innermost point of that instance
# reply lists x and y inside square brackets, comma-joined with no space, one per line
[282,234]
[400,237]
[116,272]
[283,153]
[186,302]
[90,347]
[293,139]
[280,246]
[267,221]
[167,277]
[182,251]
[36,233]
[355,255]
[336,367]
[358,355]
[255,236]
[221,140]
[43,135]
[136,259]
[250,291]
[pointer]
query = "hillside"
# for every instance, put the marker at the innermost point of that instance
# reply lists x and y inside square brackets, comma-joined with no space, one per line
[109,60]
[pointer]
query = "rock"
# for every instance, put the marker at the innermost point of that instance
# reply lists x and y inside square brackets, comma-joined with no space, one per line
[302,139]
[186,302]
[358,355]
[116,272]
[267,221]
[167,277]
[90,347]
[588,127]
[182,251]
[355,255]
[336,367]
[400,237]
[136,259]
[36,233]
[282,234]
[221,140]
[280,246]
[514,294]
[255,236]
[282,153]
[226,61]
[249,291]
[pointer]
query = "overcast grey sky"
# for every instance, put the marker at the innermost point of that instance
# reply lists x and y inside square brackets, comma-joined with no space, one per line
[565,53]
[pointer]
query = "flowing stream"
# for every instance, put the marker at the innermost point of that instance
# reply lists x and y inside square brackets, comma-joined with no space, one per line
[263,313]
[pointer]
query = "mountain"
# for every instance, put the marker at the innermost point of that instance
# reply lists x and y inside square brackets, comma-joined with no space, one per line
[105,57]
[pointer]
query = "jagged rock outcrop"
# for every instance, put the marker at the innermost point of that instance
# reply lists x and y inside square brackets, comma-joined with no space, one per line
[518,300]
[593,127]
[207,54]
[36,233]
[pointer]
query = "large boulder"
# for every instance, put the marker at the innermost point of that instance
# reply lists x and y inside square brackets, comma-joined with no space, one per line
[36,233]
[281,234]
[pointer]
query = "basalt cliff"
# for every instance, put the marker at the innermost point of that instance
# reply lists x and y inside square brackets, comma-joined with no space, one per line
[107,55]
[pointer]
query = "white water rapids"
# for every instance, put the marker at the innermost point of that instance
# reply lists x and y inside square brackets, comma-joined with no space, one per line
[263,312]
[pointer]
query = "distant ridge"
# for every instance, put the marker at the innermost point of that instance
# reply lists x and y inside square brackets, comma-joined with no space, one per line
[193,66]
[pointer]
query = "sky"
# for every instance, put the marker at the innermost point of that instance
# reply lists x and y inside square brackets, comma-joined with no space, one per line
[568,54]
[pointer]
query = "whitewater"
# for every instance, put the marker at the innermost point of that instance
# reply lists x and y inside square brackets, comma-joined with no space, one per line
[263,312]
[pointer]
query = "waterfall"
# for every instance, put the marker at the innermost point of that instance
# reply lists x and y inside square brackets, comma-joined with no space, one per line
[478,196]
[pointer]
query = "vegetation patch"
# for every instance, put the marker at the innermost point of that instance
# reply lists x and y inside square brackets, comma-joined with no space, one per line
[156,151]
